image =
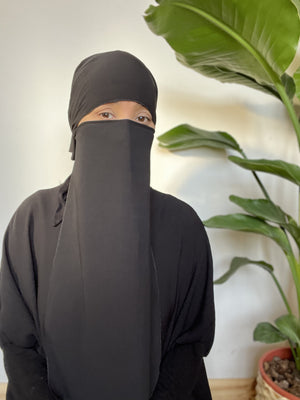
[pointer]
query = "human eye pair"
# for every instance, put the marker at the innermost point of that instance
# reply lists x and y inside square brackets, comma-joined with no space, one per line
[109,115]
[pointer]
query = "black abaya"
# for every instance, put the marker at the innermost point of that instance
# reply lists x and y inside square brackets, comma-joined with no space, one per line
[183,261]
[115,298]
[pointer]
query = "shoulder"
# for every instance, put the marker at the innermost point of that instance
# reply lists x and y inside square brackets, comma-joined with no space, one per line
[41,204]
[177,211]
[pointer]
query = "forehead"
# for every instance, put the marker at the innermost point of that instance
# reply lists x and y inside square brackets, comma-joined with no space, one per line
[129,104]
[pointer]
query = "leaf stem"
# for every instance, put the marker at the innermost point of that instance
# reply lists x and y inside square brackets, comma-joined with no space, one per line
[264,190]
[295,270]
[289,107]
[281,293]
[296,358]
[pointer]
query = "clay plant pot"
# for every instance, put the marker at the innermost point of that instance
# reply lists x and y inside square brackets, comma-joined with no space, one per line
[265,387]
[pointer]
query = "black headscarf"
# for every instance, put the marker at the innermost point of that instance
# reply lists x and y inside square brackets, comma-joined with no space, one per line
[102,323]
[109,77]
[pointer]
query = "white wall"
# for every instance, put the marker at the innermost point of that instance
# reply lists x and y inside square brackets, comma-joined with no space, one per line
[42,42]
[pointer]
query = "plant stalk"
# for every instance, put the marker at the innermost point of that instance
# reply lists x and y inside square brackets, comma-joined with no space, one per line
[296,264]
[295,270]
[264,190]
[293,351]
[297,358]
[282,294]
[290,109]
[296,353]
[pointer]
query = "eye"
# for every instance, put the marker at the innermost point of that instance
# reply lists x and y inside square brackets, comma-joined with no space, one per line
[106,115]
[143,118]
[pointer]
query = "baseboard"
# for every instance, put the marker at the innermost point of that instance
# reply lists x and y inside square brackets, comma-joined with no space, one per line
[2,390]
[221,389]
[232,389]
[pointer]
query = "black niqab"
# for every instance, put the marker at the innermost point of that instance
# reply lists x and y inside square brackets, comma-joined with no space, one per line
[102,328]
[109,77]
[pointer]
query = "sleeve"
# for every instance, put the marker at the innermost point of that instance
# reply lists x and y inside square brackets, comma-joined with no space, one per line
[182,372]
[25,367]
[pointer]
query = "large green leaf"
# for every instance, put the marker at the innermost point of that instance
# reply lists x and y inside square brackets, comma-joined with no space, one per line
[237,263]
[247,223]
[261,208]
[250,41]
[289,326]
[186,136]
[226,76]
[276,167]
[267,333]
[267,210]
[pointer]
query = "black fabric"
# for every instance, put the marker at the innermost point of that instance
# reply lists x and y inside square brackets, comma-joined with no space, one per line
[27,374]
[103,299]
[184,267]
[109,77]
[105,282]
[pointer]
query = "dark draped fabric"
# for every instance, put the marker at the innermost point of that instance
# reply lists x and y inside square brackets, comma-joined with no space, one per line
[183,259]
[102,322]
[105,283]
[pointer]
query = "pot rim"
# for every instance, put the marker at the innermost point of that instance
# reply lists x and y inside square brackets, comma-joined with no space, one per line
[284,352]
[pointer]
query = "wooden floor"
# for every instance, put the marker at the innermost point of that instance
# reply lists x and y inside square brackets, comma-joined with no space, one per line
[221,389]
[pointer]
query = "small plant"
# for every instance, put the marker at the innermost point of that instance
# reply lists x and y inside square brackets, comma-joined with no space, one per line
[249,42]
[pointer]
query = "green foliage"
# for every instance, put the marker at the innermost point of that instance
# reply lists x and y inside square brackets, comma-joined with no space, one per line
[237,263]
[289,326]
[248,42]
[276,167]
[247,223]
[268,211]
[185,136]
[261,208]
[268,333]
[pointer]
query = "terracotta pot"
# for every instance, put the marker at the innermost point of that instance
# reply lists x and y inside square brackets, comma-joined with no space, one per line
[266,388]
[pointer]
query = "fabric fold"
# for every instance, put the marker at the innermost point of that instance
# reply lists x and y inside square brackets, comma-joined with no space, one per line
[102,328]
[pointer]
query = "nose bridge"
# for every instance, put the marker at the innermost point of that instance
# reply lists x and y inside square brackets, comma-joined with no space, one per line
[126,110]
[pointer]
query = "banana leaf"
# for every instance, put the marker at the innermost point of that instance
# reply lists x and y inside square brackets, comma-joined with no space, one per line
[237,263]
[247,223]
[261,208]
[250,42]
[267,210]
[186,136]
[276,167]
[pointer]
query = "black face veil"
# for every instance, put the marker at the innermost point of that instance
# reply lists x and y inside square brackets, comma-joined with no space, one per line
[102,332]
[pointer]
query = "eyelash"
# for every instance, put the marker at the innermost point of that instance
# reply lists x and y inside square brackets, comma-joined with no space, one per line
[143,116]
[140,118]
[105,116]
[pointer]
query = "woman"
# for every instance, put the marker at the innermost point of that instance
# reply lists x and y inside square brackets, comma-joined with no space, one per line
[106,284]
